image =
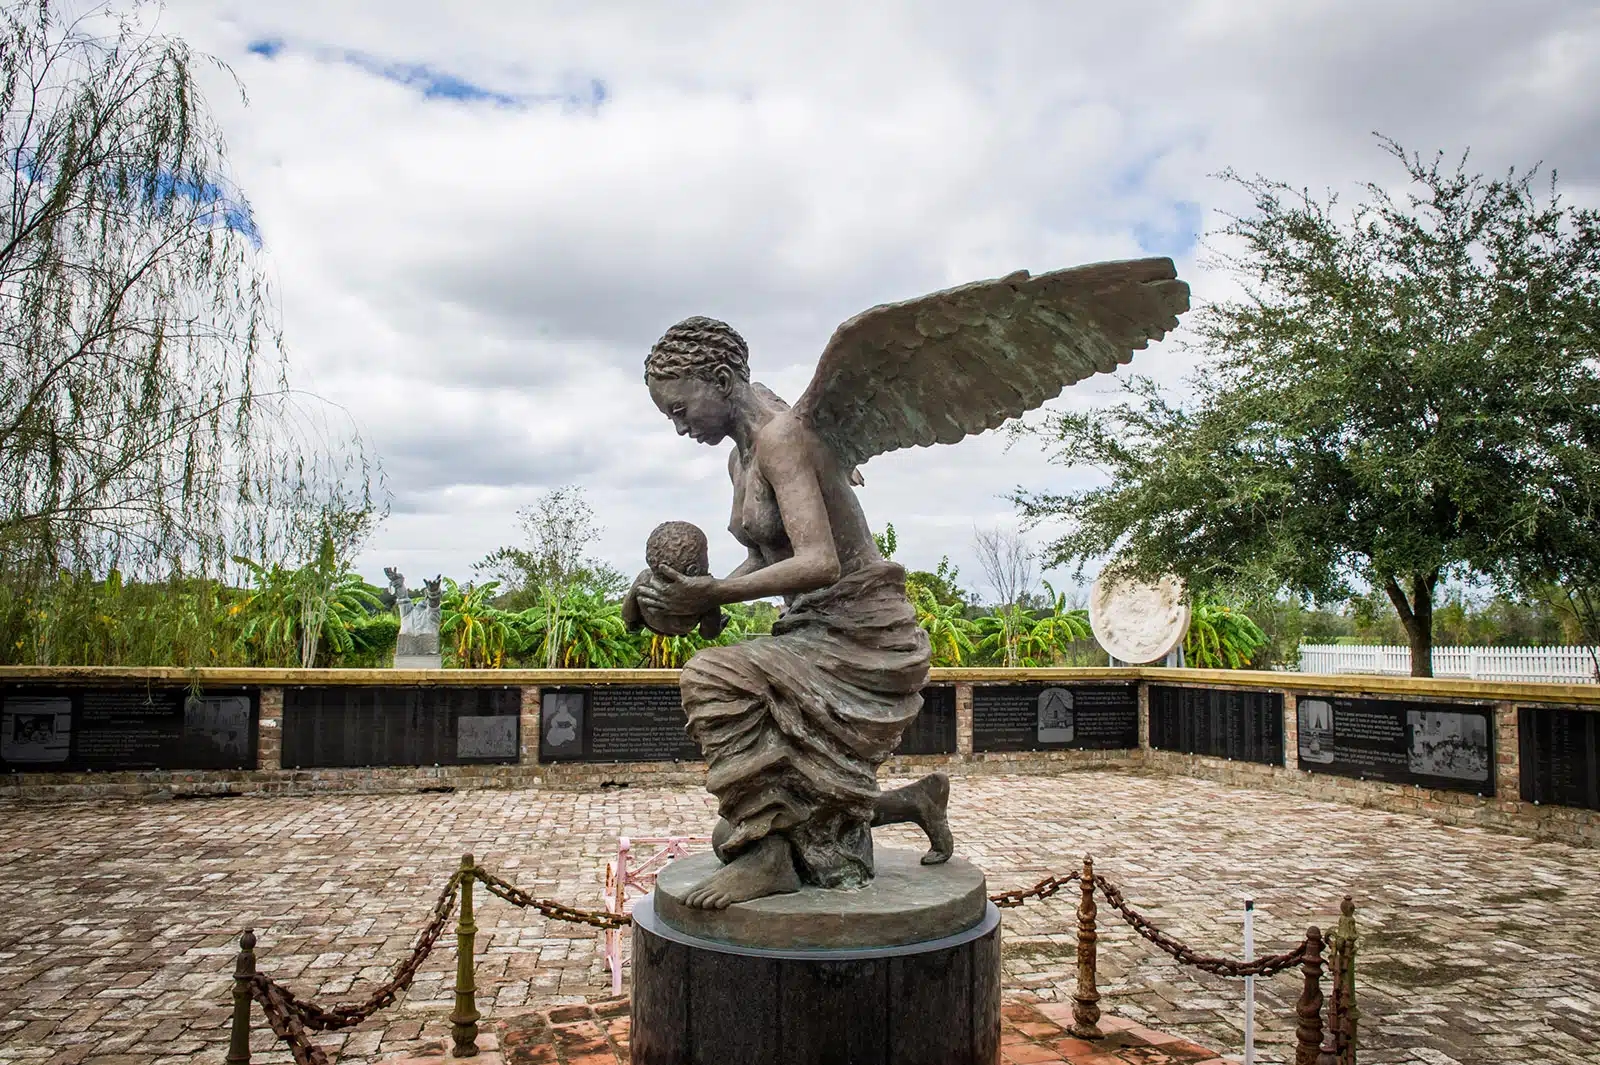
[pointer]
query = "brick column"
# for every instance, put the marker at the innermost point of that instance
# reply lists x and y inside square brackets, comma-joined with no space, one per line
[964,720]
[1507,756]
[1144,715]
[269,730]
[529,754]
[1291,732]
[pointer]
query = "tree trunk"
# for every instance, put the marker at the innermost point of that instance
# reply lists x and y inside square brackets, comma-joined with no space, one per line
[1416,614]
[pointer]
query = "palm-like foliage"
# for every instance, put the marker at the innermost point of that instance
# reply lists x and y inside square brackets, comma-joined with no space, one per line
[283,603]
[476,632]
[949,631]
[1221,637]
[1045,640]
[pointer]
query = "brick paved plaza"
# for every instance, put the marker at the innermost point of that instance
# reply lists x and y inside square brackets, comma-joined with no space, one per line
[120,919]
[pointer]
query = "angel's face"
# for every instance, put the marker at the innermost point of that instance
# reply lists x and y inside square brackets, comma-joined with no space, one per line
[698,408]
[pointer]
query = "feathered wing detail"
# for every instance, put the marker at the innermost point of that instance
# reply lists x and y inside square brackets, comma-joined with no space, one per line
[944,366]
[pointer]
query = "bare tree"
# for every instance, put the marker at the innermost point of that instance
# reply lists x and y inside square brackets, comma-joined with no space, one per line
[559,527]
[146,421]
[1007,564]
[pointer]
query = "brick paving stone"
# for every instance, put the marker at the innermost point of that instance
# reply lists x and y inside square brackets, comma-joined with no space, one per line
[121,918]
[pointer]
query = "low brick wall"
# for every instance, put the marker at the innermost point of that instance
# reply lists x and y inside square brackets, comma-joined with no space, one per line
[1506,809]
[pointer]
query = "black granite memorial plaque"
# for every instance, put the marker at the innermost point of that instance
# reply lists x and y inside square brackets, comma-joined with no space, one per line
[347,726]
[614,723]
[69,729]
[1435,745]
[1041,717]
[1560,755]
[1245,726]
[933,730]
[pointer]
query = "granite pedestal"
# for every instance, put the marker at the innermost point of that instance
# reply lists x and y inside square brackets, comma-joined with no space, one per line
[905,971]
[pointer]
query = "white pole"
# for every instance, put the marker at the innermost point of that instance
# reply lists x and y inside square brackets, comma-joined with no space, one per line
[1249,983]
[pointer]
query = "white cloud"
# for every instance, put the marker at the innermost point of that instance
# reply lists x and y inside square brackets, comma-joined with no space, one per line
[479,283]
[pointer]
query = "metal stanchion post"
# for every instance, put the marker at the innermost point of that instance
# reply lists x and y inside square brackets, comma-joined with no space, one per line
[1086,997]
[464,1019]
[1249,983]
[244,970]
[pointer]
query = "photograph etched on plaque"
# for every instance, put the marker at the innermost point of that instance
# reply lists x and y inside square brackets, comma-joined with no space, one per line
[1055,715]
[1316,730]
[35,729]
[1433,745]
[561,724]
[1447,744]
[479,737]
[221,720]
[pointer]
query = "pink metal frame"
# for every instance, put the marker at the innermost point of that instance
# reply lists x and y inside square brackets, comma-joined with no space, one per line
[640,875]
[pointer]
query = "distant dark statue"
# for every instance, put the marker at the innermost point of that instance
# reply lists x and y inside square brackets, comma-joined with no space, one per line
[794,726]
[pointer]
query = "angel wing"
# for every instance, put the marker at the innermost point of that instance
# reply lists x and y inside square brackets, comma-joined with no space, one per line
[944,366]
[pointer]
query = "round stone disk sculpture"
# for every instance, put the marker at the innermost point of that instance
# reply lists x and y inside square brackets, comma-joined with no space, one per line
[905,970]
[1136,622]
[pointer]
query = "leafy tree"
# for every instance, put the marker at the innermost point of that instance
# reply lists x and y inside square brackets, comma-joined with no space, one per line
[476,632]
[145,419]
[1407,391]
[1221,637]
[559,528]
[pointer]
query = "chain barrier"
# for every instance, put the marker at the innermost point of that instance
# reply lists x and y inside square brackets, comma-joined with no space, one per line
[602,919]
[292,1019]
[1185,954]
[1050,885]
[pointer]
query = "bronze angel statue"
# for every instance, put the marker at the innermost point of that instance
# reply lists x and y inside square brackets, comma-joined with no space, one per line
[794,727]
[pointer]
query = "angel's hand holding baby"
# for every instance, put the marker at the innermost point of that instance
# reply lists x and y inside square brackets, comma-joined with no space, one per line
[670,592]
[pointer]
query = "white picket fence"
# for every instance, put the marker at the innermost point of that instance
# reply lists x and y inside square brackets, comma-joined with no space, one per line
[1564,665]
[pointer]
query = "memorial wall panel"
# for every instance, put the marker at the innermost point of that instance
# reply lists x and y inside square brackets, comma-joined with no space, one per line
[933,730]
[1246,726]
[1560,755]
[1449,746]
[614,723]
[1043,717]
[67,729]
[348,726]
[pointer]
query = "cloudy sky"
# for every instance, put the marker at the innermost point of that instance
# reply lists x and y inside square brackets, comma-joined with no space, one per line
[480,216]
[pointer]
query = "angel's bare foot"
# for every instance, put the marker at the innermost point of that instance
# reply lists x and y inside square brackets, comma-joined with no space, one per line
[765,869]
[924,804]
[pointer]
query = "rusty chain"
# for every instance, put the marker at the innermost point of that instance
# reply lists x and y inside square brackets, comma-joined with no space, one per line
[603,919]
[285,1022]
[292,1019]
[349,1014]
[1042,890]
[1187,955]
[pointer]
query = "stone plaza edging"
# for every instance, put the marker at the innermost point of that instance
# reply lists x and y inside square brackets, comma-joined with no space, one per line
[1506,809]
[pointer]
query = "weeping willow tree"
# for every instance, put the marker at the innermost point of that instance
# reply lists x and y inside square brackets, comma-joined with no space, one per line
[146,421]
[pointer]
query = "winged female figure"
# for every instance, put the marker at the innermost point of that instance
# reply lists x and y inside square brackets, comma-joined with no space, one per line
[794,726]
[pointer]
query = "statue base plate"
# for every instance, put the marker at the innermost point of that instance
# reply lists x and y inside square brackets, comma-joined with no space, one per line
[418,661]
[698,1000]
[906,902]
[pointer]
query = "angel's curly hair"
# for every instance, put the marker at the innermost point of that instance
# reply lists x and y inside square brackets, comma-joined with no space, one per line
[698,347]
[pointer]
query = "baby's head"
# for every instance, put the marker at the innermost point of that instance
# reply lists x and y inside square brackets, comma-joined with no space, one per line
[680,545]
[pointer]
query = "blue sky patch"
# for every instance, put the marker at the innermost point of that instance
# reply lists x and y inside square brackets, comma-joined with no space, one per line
[577,94]
[1175,233]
